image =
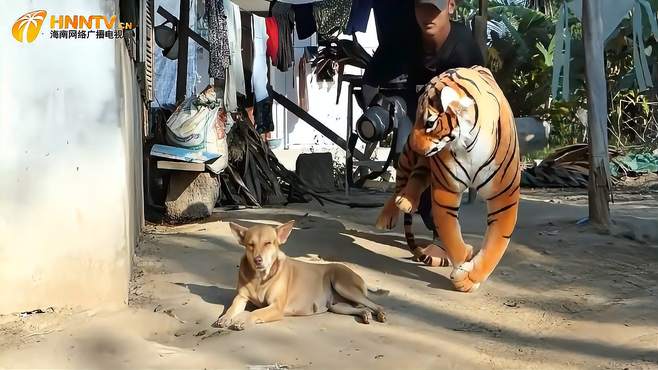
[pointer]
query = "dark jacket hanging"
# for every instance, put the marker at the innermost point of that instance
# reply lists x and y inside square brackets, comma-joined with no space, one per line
[218,39]
[285,17]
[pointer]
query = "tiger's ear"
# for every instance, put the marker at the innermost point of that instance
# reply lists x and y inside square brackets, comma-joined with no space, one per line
[458,105]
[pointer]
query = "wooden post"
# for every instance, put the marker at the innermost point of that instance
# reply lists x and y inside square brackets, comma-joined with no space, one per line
[597,121]
[480,27]
[183,25]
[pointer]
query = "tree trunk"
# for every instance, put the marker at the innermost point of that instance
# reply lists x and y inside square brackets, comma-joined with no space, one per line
[480,27]
[599,173]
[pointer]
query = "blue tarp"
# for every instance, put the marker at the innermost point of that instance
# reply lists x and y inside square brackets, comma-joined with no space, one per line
[636,163]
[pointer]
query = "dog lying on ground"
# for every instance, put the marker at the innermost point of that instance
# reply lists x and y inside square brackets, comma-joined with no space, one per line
[280,286]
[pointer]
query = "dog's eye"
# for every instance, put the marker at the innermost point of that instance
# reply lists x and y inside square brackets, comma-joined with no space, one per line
[268,243]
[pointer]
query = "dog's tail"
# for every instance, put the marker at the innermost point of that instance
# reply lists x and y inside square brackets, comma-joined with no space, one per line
[379,292]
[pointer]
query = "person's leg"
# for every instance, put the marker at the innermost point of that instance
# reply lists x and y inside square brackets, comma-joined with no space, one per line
[425,205]
[425,210]
[404,129]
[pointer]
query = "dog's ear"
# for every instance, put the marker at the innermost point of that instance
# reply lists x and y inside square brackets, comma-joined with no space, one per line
[238,231]
[283,231]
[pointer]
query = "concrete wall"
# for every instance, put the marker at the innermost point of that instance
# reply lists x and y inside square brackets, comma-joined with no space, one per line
[70,165]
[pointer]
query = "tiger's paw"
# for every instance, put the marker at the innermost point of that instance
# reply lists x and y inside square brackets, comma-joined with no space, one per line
[469,252]
[461,279]
[388,217]
[404,204]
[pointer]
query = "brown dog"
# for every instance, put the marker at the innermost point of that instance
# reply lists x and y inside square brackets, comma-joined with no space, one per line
[280,286]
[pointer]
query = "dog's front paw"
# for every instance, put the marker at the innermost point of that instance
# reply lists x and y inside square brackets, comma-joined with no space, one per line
[239,325]
[366,316]
[222,322]
[461,278]
[242,321]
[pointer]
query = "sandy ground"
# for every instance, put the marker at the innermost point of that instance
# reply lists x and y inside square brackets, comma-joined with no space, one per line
[564,297]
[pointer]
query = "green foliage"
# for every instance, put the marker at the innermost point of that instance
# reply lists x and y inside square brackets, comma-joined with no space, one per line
[522,61]
[536,155]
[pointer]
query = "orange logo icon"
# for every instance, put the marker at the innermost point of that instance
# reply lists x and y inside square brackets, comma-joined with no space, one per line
[27,27]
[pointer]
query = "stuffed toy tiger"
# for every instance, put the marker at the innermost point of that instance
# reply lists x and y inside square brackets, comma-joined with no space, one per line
[464,136]
[412,173]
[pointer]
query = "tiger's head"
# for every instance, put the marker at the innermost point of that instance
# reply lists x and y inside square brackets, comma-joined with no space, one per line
[445,114]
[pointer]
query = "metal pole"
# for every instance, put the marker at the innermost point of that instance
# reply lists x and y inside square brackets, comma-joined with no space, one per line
[350,93]
[597,118]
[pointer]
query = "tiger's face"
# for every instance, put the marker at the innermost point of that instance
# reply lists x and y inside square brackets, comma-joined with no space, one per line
[444,115]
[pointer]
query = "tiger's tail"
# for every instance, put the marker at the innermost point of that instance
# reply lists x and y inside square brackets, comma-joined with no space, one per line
[431,255]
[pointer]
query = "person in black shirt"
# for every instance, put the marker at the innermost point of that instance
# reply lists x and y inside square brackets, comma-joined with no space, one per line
[444,45]
[417,40]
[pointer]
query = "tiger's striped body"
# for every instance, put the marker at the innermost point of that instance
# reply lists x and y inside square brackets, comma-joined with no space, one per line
[464,136]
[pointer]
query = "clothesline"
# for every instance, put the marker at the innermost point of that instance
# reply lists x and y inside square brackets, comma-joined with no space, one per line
[240,47]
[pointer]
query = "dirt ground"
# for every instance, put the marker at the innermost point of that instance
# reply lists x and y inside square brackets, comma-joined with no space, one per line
[563,297]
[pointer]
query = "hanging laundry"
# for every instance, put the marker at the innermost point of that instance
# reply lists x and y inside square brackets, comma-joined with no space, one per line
[285,18]
[235,77]
[218,39]
[304,21]
[359,16]
[259,78]
[263,116]
[272,38]
[303,88]
[331,16]
[247,59]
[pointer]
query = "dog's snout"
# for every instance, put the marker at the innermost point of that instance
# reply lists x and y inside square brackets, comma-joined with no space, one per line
[258,260]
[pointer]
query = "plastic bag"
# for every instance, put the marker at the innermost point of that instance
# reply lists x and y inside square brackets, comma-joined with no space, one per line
[216,142]
[199,124]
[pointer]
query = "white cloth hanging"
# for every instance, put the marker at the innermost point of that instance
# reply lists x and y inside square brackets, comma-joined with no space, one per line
[259,72]
[235,76]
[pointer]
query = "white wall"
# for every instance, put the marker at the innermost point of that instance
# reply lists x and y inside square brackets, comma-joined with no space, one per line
[70,165]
